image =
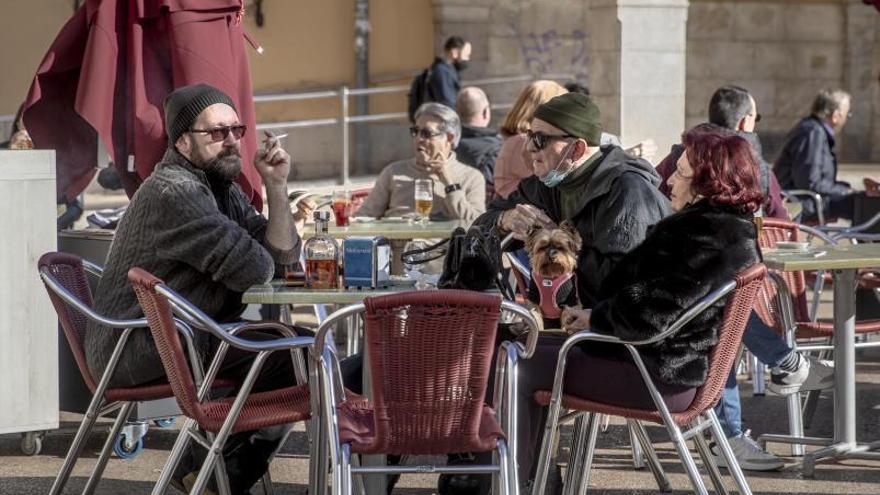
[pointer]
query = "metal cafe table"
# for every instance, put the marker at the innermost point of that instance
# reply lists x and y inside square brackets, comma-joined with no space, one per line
[843,261]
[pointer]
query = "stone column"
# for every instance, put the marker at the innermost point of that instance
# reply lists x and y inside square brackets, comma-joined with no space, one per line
[649,52]
[860,79]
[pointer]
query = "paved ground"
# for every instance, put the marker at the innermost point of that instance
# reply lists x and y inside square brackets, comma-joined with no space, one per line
[613,472]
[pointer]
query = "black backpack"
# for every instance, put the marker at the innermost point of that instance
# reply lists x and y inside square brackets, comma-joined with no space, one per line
[418,93]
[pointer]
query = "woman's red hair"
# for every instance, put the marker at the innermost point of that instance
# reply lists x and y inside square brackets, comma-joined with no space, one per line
[725,170]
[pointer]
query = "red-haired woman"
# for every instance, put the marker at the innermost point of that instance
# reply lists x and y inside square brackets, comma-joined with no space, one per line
[710,237]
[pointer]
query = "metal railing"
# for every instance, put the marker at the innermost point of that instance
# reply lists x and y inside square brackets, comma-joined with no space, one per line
[344,120]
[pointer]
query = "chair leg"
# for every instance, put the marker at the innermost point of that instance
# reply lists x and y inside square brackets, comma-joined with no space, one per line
[506,476]
[638,457]
[709,462]
[638,429]
[222,476]
[121,417]
[79,441]
[732,464]
[586,461]
[177,451]
[758,385]
[545,455]
[345,470]
[576,453]
[687,461]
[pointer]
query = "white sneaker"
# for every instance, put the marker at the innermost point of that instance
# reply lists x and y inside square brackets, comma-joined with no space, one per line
[812,374]
[749,455]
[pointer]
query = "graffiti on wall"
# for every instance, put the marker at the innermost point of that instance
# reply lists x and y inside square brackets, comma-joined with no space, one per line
[551,51]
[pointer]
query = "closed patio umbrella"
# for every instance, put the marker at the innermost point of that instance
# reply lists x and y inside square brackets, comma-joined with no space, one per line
[107,74]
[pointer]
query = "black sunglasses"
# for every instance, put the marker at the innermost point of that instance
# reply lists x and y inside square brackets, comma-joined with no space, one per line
[218,134]
[423,133]
[539,140]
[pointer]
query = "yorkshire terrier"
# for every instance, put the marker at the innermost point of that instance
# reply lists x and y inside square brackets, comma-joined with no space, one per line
[553,254]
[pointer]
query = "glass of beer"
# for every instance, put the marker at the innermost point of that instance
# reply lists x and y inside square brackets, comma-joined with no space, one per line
[424,198]
[341,206]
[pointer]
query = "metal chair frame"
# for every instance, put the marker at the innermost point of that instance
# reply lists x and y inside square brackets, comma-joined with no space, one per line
[707,420]
[98,406]
[327,384]
[813,196]
[188,317]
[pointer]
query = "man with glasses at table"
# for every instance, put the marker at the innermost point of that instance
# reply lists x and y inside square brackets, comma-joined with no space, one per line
[611,197]
[192,226]
[459,191]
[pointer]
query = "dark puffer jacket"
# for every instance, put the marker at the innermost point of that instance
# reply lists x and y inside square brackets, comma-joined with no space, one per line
[683,258]
[619,203]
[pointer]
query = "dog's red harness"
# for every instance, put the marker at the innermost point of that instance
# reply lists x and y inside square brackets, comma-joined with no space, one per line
[547,289]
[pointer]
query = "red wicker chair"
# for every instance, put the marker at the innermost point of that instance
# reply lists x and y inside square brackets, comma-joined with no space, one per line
[218,417]
[741,294]
[428,354]
[64,276]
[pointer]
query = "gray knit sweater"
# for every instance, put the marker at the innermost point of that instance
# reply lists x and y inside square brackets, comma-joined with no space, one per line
[204,240]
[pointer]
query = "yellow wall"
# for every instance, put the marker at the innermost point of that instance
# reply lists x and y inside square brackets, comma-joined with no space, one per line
[309,44]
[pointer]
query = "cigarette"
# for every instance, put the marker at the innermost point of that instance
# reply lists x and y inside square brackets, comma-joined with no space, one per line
[820,254]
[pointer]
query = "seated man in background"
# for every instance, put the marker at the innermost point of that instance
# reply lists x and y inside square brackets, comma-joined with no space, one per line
[733,110]
[808,160]
[192,226]
[479,144]
[459,190]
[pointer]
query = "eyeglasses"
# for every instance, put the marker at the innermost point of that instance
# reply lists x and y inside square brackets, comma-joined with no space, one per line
[423,132]
[539,140]
[218,134]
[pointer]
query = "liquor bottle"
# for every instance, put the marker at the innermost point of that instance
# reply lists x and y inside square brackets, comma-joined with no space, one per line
[322,256]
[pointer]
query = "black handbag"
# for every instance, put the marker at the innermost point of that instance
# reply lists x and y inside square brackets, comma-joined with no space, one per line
[473,262]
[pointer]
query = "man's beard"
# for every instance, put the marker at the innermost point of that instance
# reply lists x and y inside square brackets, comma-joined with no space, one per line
[225,166]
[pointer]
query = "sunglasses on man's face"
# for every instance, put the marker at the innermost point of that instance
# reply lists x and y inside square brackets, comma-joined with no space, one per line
[539,140]
[423,132]
[218,134]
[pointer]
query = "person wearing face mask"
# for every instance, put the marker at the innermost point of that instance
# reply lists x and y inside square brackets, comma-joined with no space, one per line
[733,110]
[611,198]
[444,81]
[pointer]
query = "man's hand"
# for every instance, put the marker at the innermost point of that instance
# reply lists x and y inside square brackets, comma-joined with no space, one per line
[304,211]
[272,162]
[575,319]
[520,219]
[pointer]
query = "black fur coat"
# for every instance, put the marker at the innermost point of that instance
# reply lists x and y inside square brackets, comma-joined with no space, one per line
[682,259]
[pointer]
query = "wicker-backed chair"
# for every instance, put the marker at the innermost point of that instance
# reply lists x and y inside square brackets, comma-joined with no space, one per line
[428,355]
[218,417]
[699,416]
[64,276]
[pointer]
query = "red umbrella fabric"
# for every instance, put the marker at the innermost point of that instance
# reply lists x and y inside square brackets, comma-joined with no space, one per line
[109,70]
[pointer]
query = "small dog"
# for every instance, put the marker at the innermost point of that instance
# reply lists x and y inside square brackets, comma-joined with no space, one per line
[553,254]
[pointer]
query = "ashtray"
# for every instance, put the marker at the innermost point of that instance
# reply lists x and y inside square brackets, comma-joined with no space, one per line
[793,246]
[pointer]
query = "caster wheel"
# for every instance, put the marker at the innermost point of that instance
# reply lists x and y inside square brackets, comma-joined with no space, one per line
[127,452]
[31,443]
[164,422]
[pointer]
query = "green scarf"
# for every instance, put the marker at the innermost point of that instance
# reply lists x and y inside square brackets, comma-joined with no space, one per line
[571,190]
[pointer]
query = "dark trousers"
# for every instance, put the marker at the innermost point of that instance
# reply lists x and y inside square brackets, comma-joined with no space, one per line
[595,372]
[247,454]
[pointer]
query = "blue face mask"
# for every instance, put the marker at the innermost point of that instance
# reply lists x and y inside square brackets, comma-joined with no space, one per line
[555,177]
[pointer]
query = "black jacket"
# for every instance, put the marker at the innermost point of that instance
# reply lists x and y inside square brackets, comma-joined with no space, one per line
[683,258]
[443,83]
[808,161]
[620,202]
[479,147]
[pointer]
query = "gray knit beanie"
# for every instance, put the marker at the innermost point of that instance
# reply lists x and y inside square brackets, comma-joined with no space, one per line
[184,104]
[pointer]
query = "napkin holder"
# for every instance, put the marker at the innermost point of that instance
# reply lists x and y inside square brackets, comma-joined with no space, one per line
[366,262]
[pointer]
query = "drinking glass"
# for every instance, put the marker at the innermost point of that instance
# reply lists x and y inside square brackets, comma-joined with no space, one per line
[424,199]
[341,206]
